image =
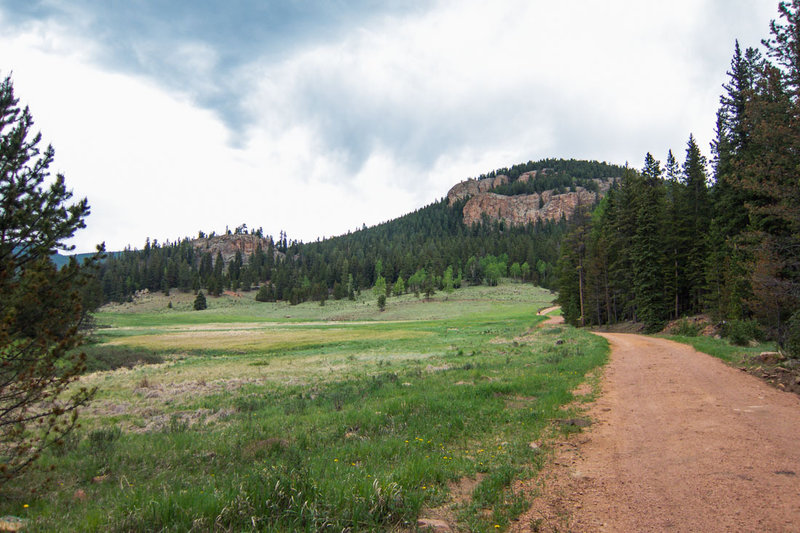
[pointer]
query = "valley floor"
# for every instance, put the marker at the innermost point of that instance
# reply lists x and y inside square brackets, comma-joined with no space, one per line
[253,416]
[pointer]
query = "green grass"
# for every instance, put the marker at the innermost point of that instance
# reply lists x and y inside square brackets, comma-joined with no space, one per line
[258,423]
[152,310]
[723,349]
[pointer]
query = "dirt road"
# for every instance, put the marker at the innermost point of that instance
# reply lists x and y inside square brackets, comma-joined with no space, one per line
[553,319]
[681,442]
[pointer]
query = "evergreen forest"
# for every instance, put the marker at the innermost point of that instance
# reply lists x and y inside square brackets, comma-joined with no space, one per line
[694,236]
[422,252]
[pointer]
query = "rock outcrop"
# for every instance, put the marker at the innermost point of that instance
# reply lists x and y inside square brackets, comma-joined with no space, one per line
[228,245]
[520,209]
[471,187]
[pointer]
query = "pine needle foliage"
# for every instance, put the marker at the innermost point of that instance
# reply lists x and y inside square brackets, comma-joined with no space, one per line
[41,306]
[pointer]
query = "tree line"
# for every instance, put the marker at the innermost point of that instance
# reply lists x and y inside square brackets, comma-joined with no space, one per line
[678,239]
[411,254]
[576,169]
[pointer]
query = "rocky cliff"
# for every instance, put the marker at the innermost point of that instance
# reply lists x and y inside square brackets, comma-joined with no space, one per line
[228,245]
[472,187]
[520,209]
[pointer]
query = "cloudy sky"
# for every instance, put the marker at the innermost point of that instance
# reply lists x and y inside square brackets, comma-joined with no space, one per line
[316,117]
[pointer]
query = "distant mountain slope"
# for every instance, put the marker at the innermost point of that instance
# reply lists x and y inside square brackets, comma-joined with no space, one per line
[60,259]
[504,223]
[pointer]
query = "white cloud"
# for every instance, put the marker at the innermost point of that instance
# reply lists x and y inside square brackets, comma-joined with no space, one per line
[374,125]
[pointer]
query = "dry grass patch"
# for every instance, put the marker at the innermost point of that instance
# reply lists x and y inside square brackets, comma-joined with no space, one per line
[264,339]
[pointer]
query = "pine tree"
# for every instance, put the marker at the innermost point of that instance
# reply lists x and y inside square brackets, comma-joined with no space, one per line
[728,288]
[732,146]
[738,91]
[674,239]
[40,305]
[652,168]
[784,46]
[429,285]
[694,210]
[602,303]
[571,269]
[265,293]
[769,176]
[200,302]
[647,248]
[246,279]
[622,224]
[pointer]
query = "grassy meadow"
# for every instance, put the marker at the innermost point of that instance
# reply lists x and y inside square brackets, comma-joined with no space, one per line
[270,417]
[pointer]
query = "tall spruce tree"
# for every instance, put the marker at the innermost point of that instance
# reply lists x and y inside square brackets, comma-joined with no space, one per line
[694,209]
[674,240]
[647,247]
[769,176]
[726,279]
[571,268]
[623,224]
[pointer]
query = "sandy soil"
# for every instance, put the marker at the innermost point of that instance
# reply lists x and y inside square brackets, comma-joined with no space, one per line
[681,442]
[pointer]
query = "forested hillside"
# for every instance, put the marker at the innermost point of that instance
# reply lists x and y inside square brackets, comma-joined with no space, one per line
[420,252]
[673,240]
[554,175]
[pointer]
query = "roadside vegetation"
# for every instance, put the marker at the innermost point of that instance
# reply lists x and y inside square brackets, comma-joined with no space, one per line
[724,349]
[260,416]
[742,345]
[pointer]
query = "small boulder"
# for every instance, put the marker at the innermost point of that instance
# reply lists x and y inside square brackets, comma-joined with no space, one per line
[11,523]
[770,358]
[429,524]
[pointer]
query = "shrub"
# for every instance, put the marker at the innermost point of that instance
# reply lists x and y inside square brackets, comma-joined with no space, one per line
[740,332]
[102,440]
[686,328]
[66,444]
[264,294]
[792,345]
[104,357]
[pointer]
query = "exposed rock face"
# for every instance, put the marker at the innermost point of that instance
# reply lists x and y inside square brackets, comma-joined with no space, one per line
[524,178]
[228,245]
[471,187]
[522,209]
